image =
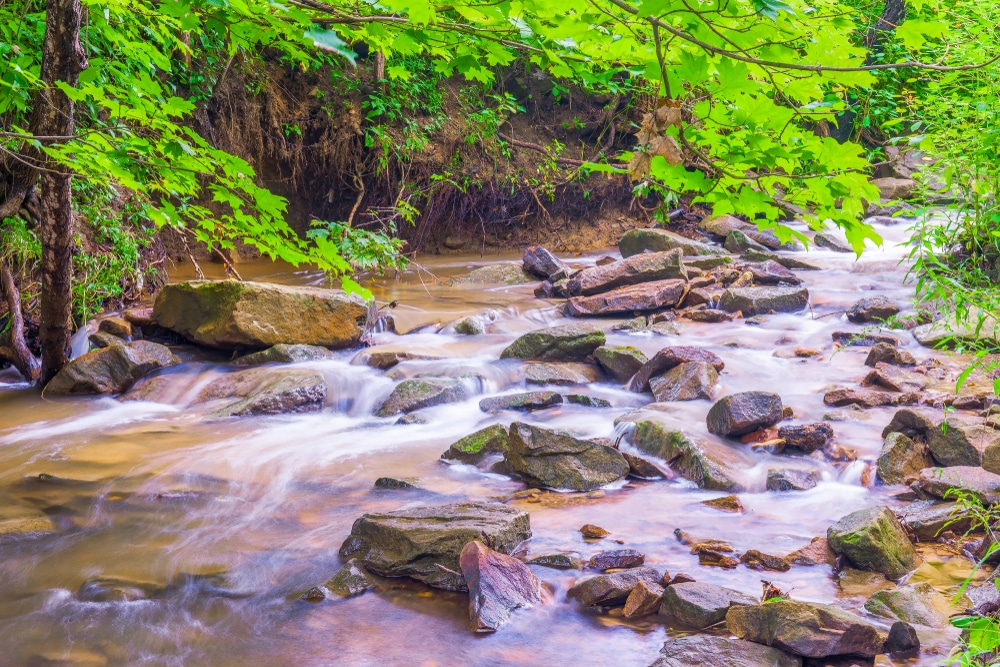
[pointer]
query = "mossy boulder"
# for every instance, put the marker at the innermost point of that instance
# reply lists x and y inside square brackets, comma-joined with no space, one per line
[526,401]
[915,603]
[425,542]
[568,342]
[242,314]
[411,395]
[711,466]
[620,361]
[872,539]
[285,354]
[110,370]
[477,446]
[558,460]
[350,580]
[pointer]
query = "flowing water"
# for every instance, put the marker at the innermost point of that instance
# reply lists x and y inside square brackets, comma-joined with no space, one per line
[220,525]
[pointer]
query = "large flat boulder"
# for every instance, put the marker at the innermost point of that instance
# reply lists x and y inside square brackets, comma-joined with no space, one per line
[236,314]
[698,604]
[557,460]
[110,370]
[639,241]
[426,543]
[567,342]
[873,540]
[636,298]
[713,651]
[982,484]
[710,465]
[642,268]
[927,519]
[265,391]
[809,630]
[762,300]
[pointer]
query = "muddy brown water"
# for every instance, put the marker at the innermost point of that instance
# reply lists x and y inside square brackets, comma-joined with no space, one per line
[227,522]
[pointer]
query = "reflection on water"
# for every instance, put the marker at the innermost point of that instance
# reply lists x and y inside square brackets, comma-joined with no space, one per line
[210,529]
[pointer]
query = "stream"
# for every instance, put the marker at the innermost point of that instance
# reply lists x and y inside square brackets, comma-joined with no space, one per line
[231,520]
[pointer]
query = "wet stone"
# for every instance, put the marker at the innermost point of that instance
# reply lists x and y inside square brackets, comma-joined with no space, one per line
[533,400]
[868,398]
[569,342]
[817,552]
[112,589]
[555,459]
[102,339]
[498,585]
[927,519]
[639,298]
[285,354]
[872,309]
[264,390]
[640,468]
[885,353]
[477,446]
[638,241]
[771,273]
[791,479]
[688,381]
[699,605]
[563,374]
[612,589]
[895,378]
[806,438]
[872,539]
[757,560]
[110,370]
[411,395]
[644,600]
[617,558]
[541,262]
[669,358]
[642,268]
[714,651]
[393,484]
[963,442]
[587,401]
[938,482]
[915,603]
[620,361]
[350,580]
[593,532]
[741,413]
[863,338]
[470,326]
[558,562]
[710,465]
[503,273]
[901,459]
[902,638]
[762,300]
[726,504]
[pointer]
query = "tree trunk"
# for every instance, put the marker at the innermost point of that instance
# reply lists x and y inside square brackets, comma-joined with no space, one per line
[16,351]
[62,60]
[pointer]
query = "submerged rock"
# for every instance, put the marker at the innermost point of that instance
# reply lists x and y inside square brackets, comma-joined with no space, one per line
[714,651]
[709,465]
[809,630]
[113,589]
[470,326]
[611,589]
[872,539]
[110,370]
[640,468]
[637,241]
[914,603]
[699,605]
[620,361]
[498,585]
[477,446]
[425,543]
[350,580]
[743,413]
[762,300]
[411,395]
[568,342]
[234,314]
[532,400]
[261,391]
[503,273]
[557,460]
[637,298]
[285,354]
[689,381]
[642,268]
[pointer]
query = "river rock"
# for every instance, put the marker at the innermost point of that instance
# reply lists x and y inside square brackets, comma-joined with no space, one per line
[567,342]
[886,353]
[910,423]
[977,482]
[640,468]
[771,273]
[116,326]
[412,395]
[686,382]
[873,540]
[927,519]
[532,400]
[242,314]
[714,651]
[806,438]
[110,370]
[557,460]
[738,241]
[263,391]
[791,479]
[914,603]
[285,354]
[863,338]
[637,241]
[611,589]
[498,585]
[643,268]
[477,446]
[587,401]
[566,373]
[895,378]
[787,261]
[891,188]
[350,580]
[504,273]
[809,630]
[115,589]
[762,300]
[671,357]
[643,600]
[616,559]
[745,412]
[720,225]
[962,441]
[699,604]
[636,298]
[832,242]
[756,560]
[872,309]
[102,339]
[868,398]
[817,552]
[470,326]
[558,562]
[542,263]
[901,458]
[902,638]
[710,465]
[414,542]
[620,361]
[947,331]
